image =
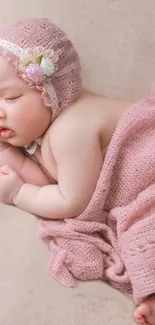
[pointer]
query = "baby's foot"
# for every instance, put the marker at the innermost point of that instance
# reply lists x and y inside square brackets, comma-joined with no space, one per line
[145,313]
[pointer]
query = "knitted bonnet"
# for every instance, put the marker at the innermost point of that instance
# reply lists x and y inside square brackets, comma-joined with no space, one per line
[45,58]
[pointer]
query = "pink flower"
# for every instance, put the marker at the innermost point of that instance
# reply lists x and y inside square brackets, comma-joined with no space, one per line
[35,73]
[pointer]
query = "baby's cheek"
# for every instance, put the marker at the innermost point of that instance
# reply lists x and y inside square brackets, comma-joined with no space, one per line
[19,121]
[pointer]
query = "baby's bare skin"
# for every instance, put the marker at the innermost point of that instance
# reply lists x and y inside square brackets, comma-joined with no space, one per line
[145,313]
[102,112]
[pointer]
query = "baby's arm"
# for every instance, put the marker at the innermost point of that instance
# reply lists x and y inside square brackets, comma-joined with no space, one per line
[28,170]
[79,161]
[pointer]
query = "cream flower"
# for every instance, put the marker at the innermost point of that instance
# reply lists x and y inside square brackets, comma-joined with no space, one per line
[37,64]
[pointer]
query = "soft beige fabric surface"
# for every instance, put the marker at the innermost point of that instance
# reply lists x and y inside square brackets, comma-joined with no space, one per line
[116,43]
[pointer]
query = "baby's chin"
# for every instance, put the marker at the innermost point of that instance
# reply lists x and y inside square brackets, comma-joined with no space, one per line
[17,142]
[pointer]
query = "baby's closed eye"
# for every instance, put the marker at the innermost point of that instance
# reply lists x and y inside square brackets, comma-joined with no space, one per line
[13,97]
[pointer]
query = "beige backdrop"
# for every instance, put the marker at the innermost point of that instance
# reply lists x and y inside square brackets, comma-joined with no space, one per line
[115,39]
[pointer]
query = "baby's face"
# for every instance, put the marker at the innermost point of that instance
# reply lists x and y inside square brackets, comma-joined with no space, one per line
[23,115]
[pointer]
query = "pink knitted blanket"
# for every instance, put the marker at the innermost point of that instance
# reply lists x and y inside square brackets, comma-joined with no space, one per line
[114,238]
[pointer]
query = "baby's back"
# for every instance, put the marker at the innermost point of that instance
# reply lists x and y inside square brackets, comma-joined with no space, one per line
[94,116]
[99,114]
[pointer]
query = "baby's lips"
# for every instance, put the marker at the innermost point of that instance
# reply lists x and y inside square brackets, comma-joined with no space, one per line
[6,133]
[2,173]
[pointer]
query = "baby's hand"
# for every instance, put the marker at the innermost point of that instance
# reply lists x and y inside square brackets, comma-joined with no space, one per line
[10,184]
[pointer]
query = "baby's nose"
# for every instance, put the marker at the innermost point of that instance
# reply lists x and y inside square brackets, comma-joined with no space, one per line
[2,114]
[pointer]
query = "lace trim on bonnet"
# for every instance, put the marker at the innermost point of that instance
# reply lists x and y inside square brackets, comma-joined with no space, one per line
[35,66]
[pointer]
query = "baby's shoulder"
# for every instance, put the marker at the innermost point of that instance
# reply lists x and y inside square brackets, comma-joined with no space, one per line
[78,126]
[75,122]
[67,130]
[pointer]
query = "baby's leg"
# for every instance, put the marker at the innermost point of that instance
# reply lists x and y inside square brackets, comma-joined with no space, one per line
[145,313]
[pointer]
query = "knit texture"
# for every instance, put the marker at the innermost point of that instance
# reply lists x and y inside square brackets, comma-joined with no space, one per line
[31,33]
[114,238]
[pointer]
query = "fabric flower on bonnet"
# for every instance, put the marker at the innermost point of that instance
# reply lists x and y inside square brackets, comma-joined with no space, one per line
[37,64]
